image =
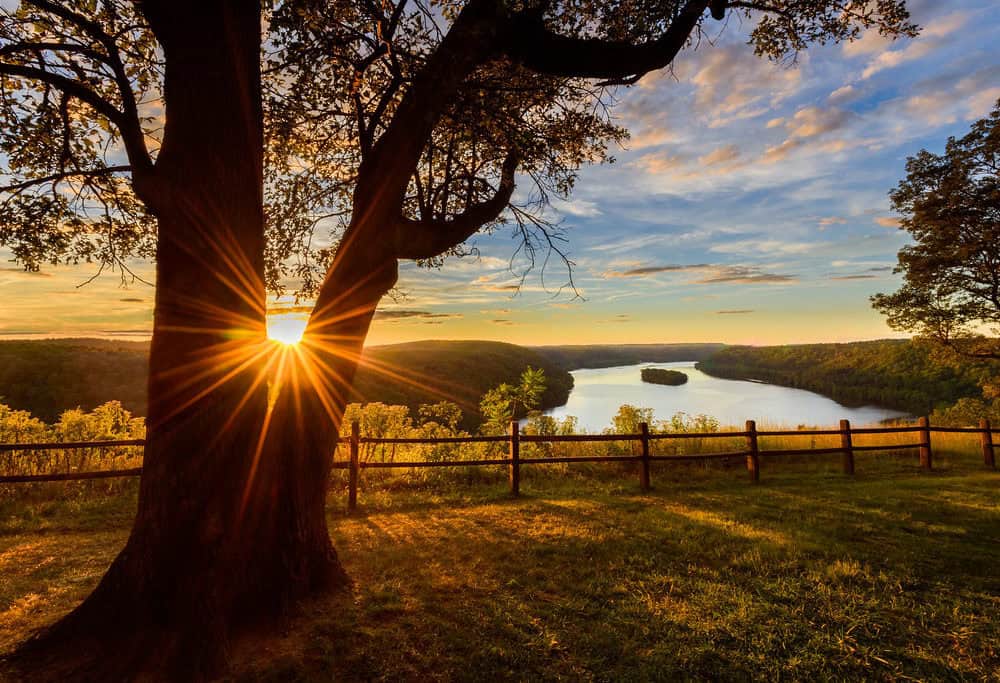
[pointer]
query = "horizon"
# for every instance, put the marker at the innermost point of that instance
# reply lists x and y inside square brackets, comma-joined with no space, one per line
[127,340]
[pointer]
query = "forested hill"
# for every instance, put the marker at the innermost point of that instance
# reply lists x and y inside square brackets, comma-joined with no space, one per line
[47,377]
[458,371]
[607,356]
[892,373]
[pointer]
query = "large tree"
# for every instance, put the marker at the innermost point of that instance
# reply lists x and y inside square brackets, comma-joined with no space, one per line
[950,205]
[405,125]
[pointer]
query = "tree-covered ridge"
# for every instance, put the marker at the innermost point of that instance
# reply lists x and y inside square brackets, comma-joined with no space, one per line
[610,355]
[47,377]
[672,378]
[457,371]
[894,373]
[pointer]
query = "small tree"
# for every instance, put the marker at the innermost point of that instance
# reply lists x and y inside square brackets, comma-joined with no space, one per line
[444,413]
[628,418]
[950,204]
[505,402]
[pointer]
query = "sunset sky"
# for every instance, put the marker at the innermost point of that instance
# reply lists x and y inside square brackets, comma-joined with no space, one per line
[750,206]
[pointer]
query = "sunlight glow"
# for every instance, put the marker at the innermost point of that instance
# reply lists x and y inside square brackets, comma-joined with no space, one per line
[286,328]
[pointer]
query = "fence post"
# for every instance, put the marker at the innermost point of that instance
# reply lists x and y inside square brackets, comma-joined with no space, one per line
[986,438]
[515,458]
[753,458]
[925,443]
[352,480]
[845,443]
[644,464]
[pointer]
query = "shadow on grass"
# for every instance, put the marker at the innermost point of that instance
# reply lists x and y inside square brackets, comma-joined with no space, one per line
[809,575]
[812,576]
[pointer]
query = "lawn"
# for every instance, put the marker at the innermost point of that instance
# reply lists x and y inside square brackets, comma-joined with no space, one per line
[893,574]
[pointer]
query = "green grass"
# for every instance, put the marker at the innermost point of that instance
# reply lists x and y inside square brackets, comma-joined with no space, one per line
[809,576]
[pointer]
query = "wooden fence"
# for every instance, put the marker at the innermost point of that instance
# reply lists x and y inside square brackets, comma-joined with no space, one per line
[514,462]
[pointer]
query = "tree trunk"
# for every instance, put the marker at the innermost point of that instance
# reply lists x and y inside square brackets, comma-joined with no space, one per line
[231,522]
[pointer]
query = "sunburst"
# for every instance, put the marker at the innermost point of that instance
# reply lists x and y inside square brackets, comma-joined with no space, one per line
[286,328]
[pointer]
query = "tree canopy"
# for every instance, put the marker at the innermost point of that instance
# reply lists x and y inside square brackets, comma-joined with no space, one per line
[456,99]
[950,205]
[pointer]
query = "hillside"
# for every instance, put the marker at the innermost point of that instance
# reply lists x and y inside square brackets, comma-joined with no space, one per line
[49,376]
[892,373]
[459,371]
[607,356]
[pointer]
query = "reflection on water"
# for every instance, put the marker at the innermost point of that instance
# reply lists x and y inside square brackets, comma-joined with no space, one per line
[597,394]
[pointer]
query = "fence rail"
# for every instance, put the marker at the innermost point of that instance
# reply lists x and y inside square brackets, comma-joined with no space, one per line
[514,461]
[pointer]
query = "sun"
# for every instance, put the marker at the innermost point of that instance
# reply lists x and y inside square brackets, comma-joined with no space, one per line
[286,328]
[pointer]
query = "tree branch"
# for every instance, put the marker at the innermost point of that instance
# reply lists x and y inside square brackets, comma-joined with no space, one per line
[531,44]
[384,175]
[55,177]
[66,85]
[54,47]
[126,119]
[426,239]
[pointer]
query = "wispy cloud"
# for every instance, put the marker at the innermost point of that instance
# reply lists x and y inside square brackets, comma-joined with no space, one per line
[747,275]
[646,271]
[393,315]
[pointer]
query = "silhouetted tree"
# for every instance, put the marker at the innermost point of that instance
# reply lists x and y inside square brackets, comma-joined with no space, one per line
[950,205]
[445,104]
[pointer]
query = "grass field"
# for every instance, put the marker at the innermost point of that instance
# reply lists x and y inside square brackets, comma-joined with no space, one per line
[894,574]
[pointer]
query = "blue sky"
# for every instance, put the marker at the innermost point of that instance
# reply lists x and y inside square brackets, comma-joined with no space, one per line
[750,206]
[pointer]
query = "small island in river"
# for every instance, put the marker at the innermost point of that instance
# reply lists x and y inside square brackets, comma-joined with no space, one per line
[661,376]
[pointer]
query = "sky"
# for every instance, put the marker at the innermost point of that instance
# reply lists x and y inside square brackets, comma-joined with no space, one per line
[750,206]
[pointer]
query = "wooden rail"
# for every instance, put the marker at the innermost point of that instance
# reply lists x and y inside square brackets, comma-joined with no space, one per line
[751,436]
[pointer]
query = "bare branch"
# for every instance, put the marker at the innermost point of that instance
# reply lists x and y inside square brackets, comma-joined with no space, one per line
[426,239]
[56,177]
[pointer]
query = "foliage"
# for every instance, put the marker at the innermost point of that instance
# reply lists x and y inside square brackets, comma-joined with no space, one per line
[950,205]
[899,374]
[444,413]
[505,402]
[107,422]
[628,418]
[74,104]
[968,411]
[672,378]
[681,422]
[350,101]
[20,426]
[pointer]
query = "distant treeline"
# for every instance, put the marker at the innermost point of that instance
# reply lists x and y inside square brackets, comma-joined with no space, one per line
[606,356]
[896,374]
[47,377]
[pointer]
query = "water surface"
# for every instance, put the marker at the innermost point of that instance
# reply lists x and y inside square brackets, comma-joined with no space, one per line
[597,393]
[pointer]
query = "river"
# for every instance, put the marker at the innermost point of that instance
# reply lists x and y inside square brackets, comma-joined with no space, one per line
[597,393]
